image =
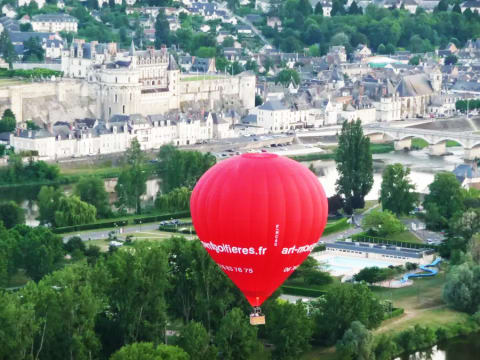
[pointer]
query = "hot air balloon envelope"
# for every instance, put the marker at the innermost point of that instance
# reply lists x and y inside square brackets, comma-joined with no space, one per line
[258,216]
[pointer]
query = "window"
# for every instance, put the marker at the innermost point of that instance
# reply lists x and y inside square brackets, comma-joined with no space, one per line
[116,98]
[116,79]
[109,111]
[123,109]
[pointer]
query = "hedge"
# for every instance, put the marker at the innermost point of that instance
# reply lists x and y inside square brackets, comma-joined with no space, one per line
[300,291]
[394,313]
[337,226]
[116,223]
[92,226]
[371,239]
[154,218]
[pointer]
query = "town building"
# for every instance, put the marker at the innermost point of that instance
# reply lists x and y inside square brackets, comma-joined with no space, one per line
[88,137]
[54,23]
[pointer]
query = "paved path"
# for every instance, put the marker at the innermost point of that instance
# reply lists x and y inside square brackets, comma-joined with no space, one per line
[103,233]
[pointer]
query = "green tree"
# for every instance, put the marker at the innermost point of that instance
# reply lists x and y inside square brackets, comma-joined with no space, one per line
[385,348]
[236,338]
[33,50]
[40,251]
[162,30]
[148,351]
[442,6]
[462,291]
[132,182]
[195,341]
[456,8]
[343,304]
[443,201]
[73,211]
[179,168]
[228,42]
[66,307]
[91,189]
[466,224]
[18,327]
[319,9]
[287,76]
[11,214]
[134,282]
[397,191]
[7,49]
[354,9]
[176,200]
[8,121]
[310,273]
[451,60]
[382,223]
[289,329]
[47,201]
[356,343]
[354,165]
[415,60]
[198,290]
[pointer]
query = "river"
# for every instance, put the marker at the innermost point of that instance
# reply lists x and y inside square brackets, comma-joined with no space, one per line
[466,348]
[423,169]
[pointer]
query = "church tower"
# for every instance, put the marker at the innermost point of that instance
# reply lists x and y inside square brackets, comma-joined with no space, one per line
[435,77]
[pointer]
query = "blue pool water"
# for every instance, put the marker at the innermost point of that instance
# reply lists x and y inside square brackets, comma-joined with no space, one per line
[339,265]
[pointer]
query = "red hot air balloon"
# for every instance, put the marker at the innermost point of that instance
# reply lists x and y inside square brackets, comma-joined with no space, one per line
[258,216]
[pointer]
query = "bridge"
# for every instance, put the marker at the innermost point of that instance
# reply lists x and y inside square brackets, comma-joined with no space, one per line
[436,139]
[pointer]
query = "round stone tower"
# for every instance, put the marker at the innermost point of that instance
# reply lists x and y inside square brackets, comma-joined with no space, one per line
[119,90]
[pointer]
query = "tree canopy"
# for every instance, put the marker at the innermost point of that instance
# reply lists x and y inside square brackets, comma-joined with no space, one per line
[397,191]
[354,165]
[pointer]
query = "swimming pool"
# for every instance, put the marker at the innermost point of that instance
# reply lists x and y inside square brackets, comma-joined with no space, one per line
[344,265]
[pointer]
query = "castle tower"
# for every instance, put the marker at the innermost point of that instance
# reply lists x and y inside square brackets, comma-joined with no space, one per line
[119,92]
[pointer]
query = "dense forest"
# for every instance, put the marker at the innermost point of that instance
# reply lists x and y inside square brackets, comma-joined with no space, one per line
[387,29]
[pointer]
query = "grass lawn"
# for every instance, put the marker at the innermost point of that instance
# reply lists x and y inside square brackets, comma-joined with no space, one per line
[405,236]
[423,305]
[320,354]
[10,82]
[368,205]
[420,143]
[200,77]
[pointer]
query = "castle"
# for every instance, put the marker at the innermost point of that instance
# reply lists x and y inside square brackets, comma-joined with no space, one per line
[149,82]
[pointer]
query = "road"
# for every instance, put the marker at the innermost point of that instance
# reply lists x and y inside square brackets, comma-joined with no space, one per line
[223,6]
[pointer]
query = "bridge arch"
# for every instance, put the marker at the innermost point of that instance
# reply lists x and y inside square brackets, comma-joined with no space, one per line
[452,138]
[411,137]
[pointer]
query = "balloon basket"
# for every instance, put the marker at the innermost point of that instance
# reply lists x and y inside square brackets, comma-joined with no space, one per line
[256,317]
